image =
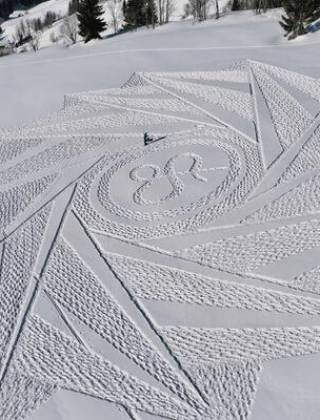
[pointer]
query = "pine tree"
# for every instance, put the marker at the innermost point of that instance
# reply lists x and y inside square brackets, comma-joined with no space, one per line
[91,24]
[298,14]
[150,13]
[236,5]
[134,14]
[1,33]
[139,13]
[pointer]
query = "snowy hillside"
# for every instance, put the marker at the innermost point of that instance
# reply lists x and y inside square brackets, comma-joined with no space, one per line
[60,7]
[34,83]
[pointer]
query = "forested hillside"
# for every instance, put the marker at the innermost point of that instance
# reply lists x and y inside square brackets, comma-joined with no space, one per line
[9,6]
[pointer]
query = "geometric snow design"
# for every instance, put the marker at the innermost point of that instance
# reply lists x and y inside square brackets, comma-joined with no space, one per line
[302,199]
[161,279]
[155,282]
[308,281]
[246,253]
[225,382]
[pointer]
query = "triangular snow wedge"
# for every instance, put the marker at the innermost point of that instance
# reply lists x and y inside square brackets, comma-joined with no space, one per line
[289,117]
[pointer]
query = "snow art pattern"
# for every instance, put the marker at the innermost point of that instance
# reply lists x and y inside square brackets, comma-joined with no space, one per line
[161,280]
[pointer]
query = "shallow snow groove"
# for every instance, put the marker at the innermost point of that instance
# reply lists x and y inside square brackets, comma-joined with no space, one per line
[159,233]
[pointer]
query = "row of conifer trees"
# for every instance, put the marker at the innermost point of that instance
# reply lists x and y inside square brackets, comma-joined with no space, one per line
[136,13]
[298,14]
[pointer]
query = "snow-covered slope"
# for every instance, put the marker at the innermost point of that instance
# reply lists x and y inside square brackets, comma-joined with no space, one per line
[34,83]
[60,7]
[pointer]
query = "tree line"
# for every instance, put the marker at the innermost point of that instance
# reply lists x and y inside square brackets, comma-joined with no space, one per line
[297,13]
[9,6]
[86,17]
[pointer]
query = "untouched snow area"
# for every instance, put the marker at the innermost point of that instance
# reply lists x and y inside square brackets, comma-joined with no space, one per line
[159,241]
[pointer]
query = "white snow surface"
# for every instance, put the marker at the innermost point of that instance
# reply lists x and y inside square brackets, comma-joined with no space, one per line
[159,241]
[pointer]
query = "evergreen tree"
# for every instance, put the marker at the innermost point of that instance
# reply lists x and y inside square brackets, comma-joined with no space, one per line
[1,33]
[236,5]
[139,13]
[150,13]
[298,14]
[91,24]
[134,14]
